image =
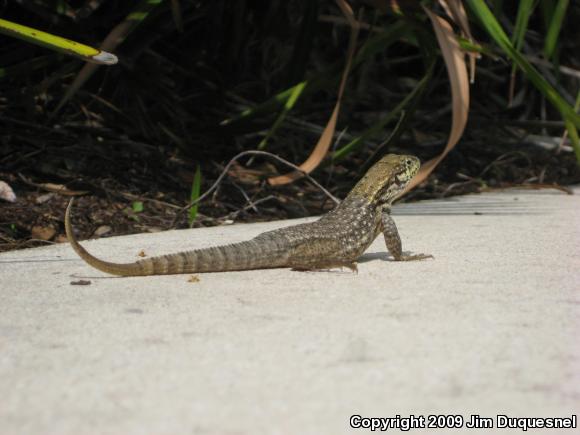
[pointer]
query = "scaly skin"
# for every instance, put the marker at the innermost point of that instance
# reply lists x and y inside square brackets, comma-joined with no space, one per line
[335,240]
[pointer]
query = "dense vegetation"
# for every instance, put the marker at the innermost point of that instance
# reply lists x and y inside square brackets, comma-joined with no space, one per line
[200,81]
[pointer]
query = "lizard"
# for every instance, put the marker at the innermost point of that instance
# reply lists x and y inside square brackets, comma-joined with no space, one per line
[337,239]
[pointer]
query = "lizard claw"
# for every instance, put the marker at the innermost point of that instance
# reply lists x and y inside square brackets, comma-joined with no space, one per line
[351,266]
[413,257]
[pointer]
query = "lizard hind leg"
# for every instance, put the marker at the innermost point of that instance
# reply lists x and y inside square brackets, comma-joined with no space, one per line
[320,254]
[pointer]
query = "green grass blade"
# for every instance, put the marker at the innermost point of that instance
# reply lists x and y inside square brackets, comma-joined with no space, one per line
[137,206]
[494,29]
[524,11]
[195,191]
[573,132]
[468,45]
[304,44]
[374,45]
[554,28]
[57,43]
[297,91]
[378,127]
[574,139]
[547,10]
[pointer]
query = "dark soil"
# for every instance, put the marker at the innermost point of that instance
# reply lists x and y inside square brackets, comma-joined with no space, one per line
[128,142]
[120,190]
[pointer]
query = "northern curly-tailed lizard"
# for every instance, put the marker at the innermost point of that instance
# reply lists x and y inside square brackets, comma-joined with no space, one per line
[337,239]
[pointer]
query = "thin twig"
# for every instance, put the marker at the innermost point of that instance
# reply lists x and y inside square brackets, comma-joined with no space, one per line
[252,204]
[236,158]
[246,196]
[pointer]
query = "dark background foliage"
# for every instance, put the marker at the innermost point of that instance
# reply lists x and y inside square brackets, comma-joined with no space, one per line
[134,133]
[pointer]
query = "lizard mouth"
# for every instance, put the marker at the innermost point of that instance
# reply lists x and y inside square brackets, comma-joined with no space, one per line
[401,181]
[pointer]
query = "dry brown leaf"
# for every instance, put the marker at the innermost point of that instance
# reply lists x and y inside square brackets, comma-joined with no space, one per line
[455,10]
[321,148]
[61,189]
[41,199]
[52,187]
[458,79]
[102,230]
[61,238]
[250,176]
[42,233]
[193,278]
[6,192]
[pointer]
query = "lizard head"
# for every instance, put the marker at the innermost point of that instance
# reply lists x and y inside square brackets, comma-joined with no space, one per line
[387,178]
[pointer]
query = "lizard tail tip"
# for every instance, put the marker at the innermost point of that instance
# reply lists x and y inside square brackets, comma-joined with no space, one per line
[69,205]
[67,224]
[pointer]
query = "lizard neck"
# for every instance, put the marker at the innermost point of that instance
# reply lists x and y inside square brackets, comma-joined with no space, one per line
[356,222]
[374,204]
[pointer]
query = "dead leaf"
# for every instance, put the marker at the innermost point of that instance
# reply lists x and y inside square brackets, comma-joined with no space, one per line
[41,199]
[102,230]
[141,253]
[6,192]
[42,233]
[321,148]
[60,189]
[52,187]
[457,71]
[193,278]
[455,10]
[61,238]
[250,176]
[80,282]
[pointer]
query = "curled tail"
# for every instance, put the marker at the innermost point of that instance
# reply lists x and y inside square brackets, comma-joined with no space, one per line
[128,269]
[239,256]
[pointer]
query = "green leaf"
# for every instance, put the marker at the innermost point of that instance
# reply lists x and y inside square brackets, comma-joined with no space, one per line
[57,43]
[468,45]
[376,44]
[137,206]
[379,126]
[294,96]
[524,11]
[554,28]
[494,29]
[574,139]
[573,132]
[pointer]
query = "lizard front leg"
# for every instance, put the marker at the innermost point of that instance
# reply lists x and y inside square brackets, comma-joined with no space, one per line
[393,240]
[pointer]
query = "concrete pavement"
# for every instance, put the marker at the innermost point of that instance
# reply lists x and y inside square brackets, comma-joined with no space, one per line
[490,326]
